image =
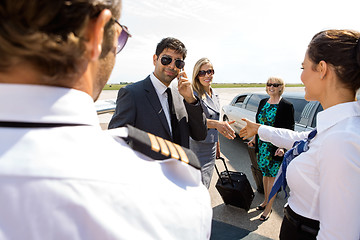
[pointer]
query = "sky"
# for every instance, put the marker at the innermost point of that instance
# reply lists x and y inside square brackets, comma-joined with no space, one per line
[247,41]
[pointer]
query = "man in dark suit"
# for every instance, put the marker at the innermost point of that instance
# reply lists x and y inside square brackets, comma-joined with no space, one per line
[146,104]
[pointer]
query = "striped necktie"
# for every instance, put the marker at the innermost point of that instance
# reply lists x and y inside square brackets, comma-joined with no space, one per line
[298,148]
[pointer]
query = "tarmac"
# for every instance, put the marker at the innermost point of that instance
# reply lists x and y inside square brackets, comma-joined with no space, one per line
[232,223]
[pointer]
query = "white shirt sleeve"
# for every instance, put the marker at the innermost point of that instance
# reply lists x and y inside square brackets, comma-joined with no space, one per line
[339,178]
[280,137]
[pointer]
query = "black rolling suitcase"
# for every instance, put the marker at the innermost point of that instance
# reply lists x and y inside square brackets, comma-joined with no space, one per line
[234,188]
[257,174]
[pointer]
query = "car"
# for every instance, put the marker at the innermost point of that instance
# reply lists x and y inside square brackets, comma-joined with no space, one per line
[246,105]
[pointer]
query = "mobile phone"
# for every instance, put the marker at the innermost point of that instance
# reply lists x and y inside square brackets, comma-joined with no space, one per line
[181,70]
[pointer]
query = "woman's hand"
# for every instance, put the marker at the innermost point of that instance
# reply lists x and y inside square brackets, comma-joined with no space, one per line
[279,152]
[250,130]
[226,130]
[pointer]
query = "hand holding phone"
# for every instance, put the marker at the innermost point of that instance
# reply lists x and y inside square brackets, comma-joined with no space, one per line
[185,88]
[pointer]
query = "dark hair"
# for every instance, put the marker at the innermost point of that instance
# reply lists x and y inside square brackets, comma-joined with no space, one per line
[173,44]
[49,34]
[341,49]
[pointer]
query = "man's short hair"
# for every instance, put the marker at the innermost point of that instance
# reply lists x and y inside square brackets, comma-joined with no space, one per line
[172,43]
[49,34]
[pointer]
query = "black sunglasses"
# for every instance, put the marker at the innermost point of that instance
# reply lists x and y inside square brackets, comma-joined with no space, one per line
[166,60]
[202,73]
[273,84]
[123,37]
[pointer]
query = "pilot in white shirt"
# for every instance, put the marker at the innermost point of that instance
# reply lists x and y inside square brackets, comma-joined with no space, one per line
[79,182]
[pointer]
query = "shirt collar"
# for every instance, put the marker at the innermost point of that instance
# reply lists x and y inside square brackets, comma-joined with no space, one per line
[331,116]
[213,94]
[160,88]
[46,104]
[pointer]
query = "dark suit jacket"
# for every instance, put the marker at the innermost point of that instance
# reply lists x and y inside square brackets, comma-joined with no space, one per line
[284,118]
[138,105]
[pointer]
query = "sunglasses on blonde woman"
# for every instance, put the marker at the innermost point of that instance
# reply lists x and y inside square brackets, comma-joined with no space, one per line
[273,84]
[202,73]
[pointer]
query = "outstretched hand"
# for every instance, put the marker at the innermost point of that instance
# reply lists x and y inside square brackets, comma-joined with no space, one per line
[250,130]
[226,130]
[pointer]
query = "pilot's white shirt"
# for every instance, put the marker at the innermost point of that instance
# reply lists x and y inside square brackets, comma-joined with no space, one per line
[81,183]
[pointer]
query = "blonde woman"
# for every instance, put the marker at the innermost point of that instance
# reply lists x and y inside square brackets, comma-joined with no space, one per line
[209,149]
[278,112]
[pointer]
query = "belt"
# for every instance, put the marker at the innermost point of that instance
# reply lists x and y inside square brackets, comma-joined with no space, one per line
[298,223]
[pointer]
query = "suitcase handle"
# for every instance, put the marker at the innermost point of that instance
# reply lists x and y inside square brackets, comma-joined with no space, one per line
[227,171]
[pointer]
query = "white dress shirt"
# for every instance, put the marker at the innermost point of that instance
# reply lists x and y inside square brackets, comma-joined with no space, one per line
[82,183]
[324,181]
[160,89]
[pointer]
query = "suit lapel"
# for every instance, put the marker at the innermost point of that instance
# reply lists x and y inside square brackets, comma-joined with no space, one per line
[155,102]
[211,105]
[209,102]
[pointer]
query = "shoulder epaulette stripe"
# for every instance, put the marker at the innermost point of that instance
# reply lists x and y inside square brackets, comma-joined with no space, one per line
[164,148]
[173,152]
[183,156]
[154,143]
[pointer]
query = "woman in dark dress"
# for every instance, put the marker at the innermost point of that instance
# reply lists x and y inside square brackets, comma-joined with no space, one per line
[278,112]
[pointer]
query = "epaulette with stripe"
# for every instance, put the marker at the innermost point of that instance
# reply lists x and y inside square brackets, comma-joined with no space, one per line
[164,148]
